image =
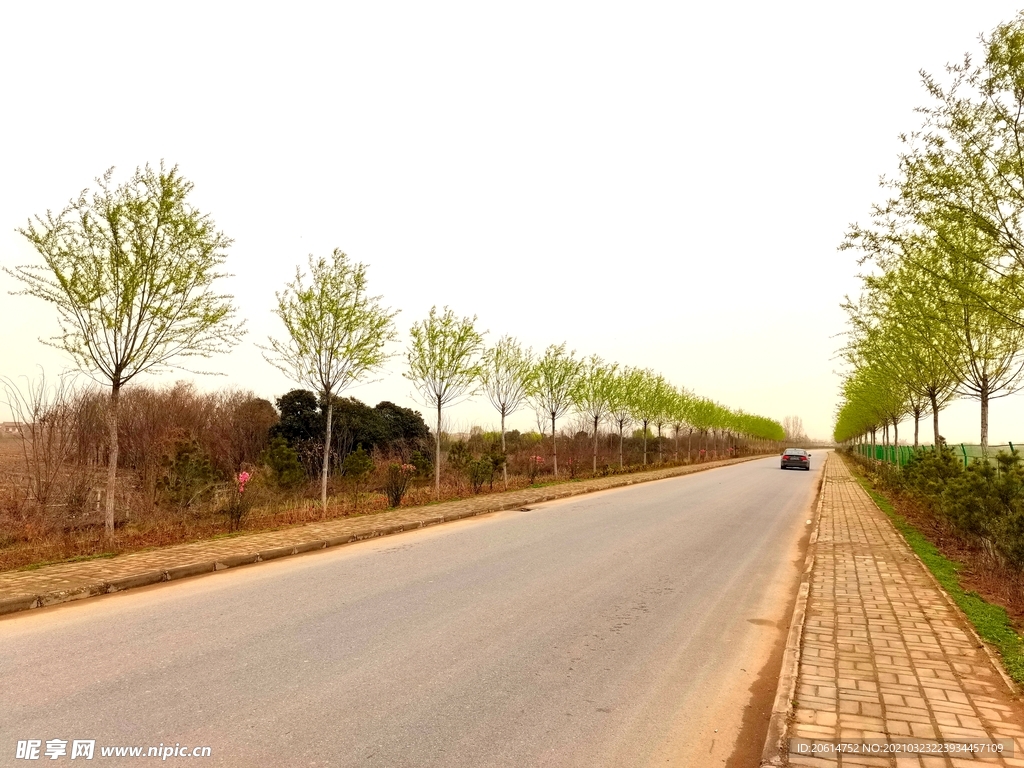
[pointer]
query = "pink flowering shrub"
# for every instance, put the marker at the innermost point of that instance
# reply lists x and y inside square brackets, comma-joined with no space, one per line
[239,505]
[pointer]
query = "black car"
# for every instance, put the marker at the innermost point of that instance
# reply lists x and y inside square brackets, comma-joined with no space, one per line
[796,457]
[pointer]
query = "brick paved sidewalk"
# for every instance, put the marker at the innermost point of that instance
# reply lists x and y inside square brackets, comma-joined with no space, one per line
[883,654]
[49,585]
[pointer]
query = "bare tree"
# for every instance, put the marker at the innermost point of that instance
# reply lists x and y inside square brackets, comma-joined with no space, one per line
[794,427]
[45,415]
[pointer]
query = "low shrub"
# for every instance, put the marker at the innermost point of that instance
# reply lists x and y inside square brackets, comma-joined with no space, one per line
[479,471]
[984,501]
[188,474]
[396,482]
[283,464]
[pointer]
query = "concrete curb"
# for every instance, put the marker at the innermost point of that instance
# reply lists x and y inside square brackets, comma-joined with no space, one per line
[27,602]
[775,747]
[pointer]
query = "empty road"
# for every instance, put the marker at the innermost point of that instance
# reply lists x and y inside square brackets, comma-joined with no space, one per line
[626,628]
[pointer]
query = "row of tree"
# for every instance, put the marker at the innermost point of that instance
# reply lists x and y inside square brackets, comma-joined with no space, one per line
[941,312]
[447,360]
[132,273]
[337,332]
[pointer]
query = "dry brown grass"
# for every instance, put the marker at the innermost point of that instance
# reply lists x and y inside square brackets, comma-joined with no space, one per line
[31,540]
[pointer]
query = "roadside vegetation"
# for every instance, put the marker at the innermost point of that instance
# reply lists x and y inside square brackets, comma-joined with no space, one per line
[98,462]
[941,312]
[199,464]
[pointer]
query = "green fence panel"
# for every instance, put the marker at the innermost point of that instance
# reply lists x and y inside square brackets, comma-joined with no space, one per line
[902,455]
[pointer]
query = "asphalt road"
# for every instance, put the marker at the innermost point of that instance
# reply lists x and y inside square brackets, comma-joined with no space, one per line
[617,629]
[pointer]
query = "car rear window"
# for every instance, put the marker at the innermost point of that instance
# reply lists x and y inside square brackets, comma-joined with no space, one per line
[795,451]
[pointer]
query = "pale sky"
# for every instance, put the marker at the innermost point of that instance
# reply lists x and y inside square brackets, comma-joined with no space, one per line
[663,184]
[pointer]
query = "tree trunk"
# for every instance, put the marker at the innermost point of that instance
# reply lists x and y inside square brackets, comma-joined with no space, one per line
[112,419]
[896,442]
[645,443]
[917,426]
[554,447]
[935,419]
[660,455]
[504,464]
[689,446]
[595,445]
[327,452]
[437,456]
[620,445]
[984,395]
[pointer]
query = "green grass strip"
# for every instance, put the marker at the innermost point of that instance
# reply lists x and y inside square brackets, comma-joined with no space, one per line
[990,621]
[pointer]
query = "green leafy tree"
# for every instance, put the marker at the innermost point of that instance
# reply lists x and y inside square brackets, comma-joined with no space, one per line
[664,395]
[899,317]
[506,373]
[679,406]
[964,168]
[444,365]
[623,394]
[702,417]
[593,394]
[647,402]
[954,222]
[336,334]
[975,305]
[131,270]
[554,381]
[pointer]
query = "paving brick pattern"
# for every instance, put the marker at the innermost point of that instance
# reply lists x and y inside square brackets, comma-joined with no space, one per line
[883,653]
[21,590]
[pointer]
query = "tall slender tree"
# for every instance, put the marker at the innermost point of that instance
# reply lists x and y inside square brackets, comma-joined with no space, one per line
[444,365]
[664,395]
[336,334]
[594,394]
[623,393]
[554,382]
[678,411]
[507,373]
